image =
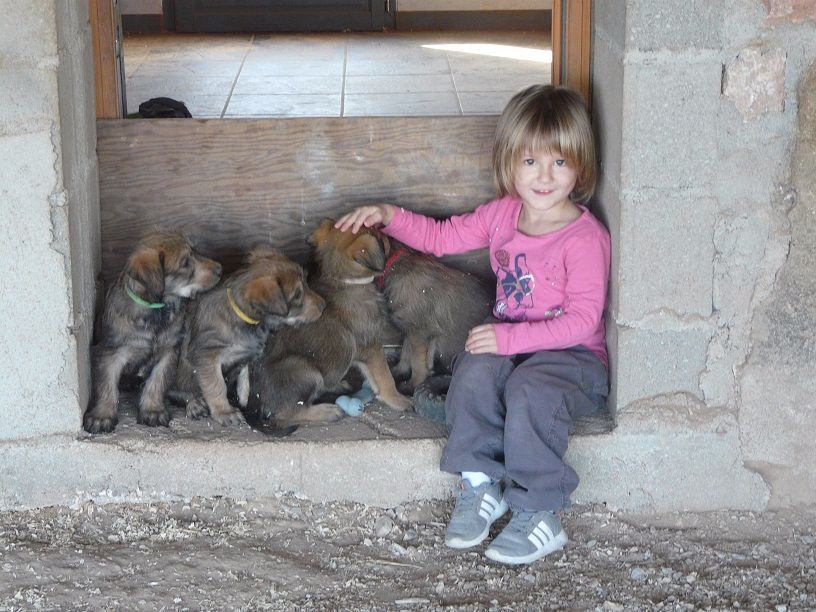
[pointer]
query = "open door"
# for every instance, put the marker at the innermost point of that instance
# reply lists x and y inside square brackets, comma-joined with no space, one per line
[279,15]
[571,43]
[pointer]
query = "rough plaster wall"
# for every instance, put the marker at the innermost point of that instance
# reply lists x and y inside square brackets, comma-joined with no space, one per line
[709,119]
[80,177]
[40,391]
[778,382]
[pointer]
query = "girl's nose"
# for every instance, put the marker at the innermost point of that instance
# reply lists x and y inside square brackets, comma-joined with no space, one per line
[545,172]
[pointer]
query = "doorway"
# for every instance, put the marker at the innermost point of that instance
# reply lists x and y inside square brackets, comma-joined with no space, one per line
[348,74]
[568,64]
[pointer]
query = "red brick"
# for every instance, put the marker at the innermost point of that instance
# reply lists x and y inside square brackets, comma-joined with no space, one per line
[791,10]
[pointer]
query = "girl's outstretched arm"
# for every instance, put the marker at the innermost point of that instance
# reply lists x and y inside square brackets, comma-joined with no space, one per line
[368,216]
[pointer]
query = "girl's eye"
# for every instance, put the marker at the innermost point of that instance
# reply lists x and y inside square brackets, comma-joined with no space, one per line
[528,162]
[560,163]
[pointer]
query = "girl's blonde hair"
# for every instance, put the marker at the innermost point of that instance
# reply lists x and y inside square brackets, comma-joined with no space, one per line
[545,118]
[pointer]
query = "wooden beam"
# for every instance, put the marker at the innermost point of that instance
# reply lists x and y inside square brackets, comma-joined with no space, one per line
[572,42]
[106,66]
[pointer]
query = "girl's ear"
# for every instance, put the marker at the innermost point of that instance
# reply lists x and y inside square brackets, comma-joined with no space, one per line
[146,267]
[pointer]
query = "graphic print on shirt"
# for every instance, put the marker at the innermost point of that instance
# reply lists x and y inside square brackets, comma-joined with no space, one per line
[517,286]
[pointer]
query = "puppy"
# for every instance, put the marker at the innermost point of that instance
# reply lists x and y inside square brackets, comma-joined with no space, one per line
[434,306]
[301,363]
[229,328]
[142,326]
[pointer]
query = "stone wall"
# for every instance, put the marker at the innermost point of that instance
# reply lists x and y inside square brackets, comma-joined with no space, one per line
[49,234]
[709,307]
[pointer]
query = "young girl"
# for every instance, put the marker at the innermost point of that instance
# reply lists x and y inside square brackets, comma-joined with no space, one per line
[541,360]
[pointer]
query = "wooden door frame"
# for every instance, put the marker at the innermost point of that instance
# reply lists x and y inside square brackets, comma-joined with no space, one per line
[108,93]
[572,44]
[571,48]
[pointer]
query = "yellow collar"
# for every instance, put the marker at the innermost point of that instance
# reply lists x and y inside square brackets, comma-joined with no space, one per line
[241,314]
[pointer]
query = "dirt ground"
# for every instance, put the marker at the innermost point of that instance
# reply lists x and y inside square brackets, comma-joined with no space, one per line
[287,553]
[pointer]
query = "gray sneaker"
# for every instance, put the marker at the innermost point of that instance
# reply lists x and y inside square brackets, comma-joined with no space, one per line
[476,509]
[527,537]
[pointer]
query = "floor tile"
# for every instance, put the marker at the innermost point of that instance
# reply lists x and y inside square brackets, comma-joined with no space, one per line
[291,67]
[483,102]
[501,81]
[322,105]
[185,68]
[256,85]
[404,104]
[398,84]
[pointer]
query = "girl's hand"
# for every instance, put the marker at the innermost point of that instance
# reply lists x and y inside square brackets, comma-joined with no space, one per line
[369,216]
[482,339]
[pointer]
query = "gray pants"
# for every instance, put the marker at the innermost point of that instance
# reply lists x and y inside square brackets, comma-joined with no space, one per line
[509,416]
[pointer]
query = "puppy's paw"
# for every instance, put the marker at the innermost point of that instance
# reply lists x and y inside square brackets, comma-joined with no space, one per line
[228,419]
[154,418]
[95,422]
[197,409]
[398,402]
[327,412]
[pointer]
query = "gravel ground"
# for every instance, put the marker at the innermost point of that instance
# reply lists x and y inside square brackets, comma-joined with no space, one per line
[286,553]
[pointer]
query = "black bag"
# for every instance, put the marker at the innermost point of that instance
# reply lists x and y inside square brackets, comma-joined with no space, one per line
[159,108]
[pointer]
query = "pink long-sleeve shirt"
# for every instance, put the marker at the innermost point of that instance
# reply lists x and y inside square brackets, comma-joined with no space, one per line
[550,289]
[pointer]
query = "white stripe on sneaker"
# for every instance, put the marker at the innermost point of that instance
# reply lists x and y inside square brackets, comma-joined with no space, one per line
[539,533]
[493,503]
[487,508]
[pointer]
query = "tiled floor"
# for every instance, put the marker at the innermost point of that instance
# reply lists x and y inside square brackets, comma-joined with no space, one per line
[335,75]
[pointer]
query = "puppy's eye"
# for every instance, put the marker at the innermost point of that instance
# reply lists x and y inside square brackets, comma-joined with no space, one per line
[187,262]
[297,295]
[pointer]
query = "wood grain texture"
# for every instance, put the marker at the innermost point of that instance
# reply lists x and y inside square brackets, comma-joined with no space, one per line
[108,95]
[232,184]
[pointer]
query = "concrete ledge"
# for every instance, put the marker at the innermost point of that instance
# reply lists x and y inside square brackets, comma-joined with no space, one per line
[658,459]
[364,459]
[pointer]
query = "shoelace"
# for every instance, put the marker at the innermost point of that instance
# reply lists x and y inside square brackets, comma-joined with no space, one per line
[523,522]
[466,501]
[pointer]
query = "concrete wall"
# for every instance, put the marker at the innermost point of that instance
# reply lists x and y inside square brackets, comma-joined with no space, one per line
[697,105]
[49,234]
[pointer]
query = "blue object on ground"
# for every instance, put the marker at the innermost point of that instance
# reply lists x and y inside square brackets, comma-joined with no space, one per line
[353,405]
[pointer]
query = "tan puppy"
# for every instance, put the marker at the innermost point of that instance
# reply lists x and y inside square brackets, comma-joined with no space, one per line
[301,363]
[434,306]
[142,326]
[229,329]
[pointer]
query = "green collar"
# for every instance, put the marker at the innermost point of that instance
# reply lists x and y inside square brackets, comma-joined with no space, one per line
[140,301]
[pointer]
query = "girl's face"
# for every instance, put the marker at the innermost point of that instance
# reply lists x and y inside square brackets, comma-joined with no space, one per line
[544,181]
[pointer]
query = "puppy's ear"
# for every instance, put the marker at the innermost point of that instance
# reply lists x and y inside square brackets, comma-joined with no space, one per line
[265,294]
[321,234]
[368,251]
[262,252]
[146,267]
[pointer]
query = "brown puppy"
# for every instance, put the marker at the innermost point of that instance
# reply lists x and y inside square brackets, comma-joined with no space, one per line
[142,326]
[434,306]
[301,363]
[229,328]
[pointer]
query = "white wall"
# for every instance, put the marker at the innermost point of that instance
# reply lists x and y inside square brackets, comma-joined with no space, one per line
[407,6]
